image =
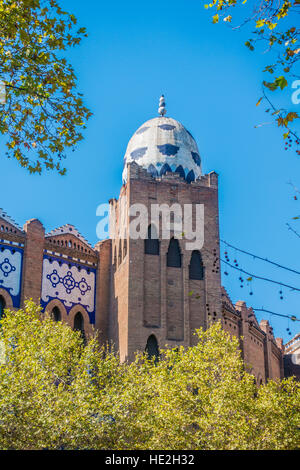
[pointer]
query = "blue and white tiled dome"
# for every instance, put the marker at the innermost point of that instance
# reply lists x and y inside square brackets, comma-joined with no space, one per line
[163,144]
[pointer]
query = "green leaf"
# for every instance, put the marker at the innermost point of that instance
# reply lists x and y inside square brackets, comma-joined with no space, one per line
[281,82]
[271,86]
[260,23]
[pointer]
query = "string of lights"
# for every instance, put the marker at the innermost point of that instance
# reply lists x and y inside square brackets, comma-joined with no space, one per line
[290,317]
[259,257]
[260,277]
[216,259]
[251,275]
[294,231]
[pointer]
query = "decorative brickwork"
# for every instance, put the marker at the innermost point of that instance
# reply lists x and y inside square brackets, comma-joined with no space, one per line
[71,283]
[261,352]
[150,297]
[11,261]
[139,295]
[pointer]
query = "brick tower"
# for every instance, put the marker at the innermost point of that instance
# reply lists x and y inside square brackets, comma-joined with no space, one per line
[146,287]
[162,289]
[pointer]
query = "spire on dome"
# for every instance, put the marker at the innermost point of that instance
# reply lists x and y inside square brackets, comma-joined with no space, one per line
[162,106]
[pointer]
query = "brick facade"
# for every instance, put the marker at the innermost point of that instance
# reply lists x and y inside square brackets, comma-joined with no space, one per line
[149,298]
[261,352]
[127,295]
[62,249]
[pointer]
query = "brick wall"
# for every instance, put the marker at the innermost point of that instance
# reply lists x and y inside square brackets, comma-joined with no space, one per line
[261,353]
[33,260]
[147,296]
[137,294]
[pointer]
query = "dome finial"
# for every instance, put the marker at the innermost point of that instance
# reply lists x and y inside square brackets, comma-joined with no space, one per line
[162,106]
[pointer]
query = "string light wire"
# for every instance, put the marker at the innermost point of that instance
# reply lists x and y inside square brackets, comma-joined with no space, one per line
[259,257]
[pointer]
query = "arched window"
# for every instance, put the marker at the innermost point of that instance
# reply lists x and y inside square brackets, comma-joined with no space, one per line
[125,248]
[196,269]
[174,254]
[79,324]
[152,348]
[120,253]
[56,315]
[2,306]
[152,242]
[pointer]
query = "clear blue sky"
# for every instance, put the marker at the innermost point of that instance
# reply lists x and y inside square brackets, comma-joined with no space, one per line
[136,51]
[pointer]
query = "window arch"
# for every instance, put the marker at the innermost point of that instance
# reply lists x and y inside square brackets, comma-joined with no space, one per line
[174,254]
[120,253]
[152,349]
[152,242]
[125,248]
[196,268]
[56,315]
[79,324]
[2,306]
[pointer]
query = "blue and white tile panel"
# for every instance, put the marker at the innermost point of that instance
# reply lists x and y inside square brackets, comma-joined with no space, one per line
[11,262]
[69,282]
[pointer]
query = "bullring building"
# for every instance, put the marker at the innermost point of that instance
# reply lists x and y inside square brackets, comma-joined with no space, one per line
[139,294]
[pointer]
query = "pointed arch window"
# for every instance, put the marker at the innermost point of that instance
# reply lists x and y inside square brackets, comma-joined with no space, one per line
[125,248]
[152,349]
[56,315]
[120,253]
[115,256]
[196,268]
[2,306]
[152,242]
[174,254]
[79,324]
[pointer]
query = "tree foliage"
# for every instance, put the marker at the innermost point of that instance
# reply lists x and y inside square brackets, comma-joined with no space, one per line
[44,114]
[56,393]
[274,25]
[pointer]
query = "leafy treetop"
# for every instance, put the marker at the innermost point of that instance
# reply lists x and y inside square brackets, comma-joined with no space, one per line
[275,24]
[57,393]
[44,114]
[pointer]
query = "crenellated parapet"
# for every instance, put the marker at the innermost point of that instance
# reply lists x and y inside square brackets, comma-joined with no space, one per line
[261,352]
[57,270]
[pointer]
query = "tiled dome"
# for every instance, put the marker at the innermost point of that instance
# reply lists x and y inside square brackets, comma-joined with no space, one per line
[163,144]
